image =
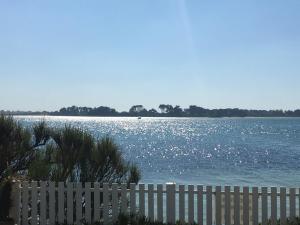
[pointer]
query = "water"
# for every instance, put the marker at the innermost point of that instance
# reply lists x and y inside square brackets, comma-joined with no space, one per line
[221,151]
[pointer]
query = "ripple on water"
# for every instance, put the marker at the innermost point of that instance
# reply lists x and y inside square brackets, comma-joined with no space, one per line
[252,151]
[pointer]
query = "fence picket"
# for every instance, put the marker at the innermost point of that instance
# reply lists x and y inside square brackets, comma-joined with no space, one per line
[78,203]
[160,203]
[25,202]
[218,206]
[264,205]
[151,202]
[181,203]
[132,199]
[245,205]
[96,202]
[34,201]
[142,199]
[273,205]
[200,204]
[43,201]
[124,198]
[70,203]
[208,205]
[171,203]
[236,205]
[292,203]
[114,202]
[255,206]
[282,206]
[191,219]
[61,202]
[87,207]
[105,203]
[227,206]
[52,202]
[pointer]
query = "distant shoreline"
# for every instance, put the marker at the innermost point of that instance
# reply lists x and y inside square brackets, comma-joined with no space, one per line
[164,110]
[39,115]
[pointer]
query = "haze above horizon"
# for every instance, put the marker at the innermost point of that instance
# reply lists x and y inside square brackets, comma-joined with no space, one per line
[233,54]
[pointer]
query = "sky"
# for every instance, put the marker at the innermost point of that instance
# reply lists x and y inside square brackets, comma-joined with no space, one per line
[214,54]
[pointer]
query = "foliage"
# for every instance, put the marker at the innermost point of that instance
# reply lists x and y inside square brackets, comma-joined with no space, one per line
[18,145]
[39,169]
[74,155]
[166,110]
[65,154]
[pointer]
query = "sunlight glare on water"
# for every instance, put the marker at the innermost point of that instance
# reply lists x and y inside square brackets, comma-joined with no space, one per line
[233,151]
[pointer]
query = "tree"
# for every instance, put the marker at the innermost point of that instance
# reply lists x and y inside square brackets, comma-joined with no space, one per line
[66,154]
[18,145]
[136,109]
[165,108]
[18,148]
[153,112]
[177,111]
[74,155]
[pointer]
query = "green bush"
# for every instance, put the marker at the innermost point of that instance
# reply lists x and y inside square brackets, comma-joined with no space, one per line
[65,154]
[19,145]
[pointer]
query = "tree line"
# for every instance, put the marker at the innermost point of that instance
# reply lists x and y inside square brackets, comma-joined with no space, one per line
[164,110]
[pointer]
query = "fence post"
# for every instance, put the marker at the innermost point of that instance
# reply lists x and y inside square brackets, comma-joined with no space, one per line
[160,203]
[14,211]
[43,202]
[69,202]
[34,196]
[191,210]
[209,205]
[87,196]
[218,206]
[106,203]
[132,199]
[78,202]
[115,202]
[61,202]
[141,200]
[264,205]
[227,205]
[292,204]
[170,203]
[151,202]
[181,203]
[245,205]
[255,206]
[200,204]
[236,211]
[25,195]
[282,206]
[96,202]
[124,198]
[273,205]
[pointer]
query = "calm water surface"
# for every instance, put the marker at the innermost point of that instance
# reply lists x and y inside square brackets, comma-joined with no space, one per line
[232,151]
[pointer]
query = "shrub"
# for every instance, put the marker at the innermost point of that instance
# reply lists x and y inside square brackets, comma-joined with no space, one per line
[18,145]
[65,154]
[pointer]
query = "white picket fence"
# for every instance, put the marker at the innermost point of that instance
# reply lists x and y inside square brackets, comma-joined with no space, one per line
[70,203]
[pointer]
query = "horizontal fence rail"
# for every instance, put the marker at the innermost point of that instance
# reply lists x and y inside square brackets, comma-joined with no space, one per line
[75,203]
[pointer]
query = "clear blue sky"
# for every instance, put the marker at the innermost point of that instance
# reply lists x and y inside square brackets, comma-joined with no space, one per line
[213,54]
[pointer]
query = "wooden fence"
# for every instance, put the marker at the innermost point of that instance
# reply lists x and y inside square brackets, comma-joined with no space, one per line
[71,203]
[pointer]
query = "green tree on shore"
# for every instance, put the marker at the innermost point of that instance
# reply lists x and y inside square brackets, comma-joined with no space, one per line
[66,154]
